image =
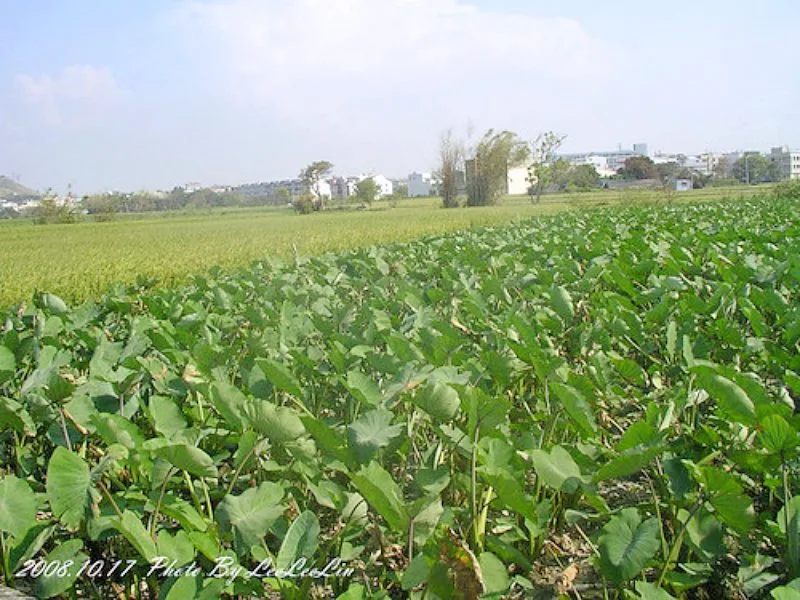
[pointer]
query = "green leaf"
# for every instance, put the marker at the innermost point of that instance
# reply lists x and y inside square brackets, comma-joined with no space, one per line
[432,481]
[562,302]
[183,512]
[176,547]
[650,591]
[14,415]
[631,371]
[250,515]
[68,487]
[732,400]
[627,544]
[230,402]
[301,541]
[729,500]
[495,575]
[53,585]
[188,458]
[280,377]
[167,416]
[363,388]
[130,526]
[577,408]
[54,304]
[383,494]
[279,423]
[555,468]
[439,400]
[777,435]
[371,432]
[8,364]
[672,339]
[17,506]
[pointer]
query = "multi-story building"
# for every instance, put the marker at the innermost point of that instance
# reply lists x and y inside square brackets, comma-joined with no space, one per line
[615,159]
[788,162]
[421,184]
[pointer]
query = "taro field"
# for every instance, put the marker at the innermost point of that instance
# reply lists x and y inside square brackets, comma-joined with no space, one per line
[591,405]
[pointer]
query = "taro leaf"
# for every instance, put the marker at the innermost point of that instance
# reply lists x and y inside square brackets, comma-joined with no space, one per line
[184,513]
[577,408]
[731,399]
[383,494]
[426,520]
[363,388]
[167,416]
[650,591]
[433,481]
[672,339]
[789,515]
[706,533]
[416,573]
[328,439]
[188,458]
[250,515]
[631,371]
[54,304]
[300,541]
[115,429]
[17,506]
[280,377]
[627,462]
[439,400]
[176,547]
[777,435]
[68,487]
[729,500]
[53,585]
[230,402]
[562,302]
[785,592]
[14,415]
[556,468]
[371,432]
[131,528]
[495,574]
[7,364]
[279,423]
[627,544]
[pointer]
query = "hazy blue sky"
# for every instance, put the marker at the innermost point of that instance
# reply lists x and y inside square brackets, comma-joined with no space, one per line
[132,94]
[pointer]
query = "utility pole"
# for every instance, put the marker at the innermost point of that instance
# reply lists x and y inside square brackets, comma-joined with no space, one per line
[746,169]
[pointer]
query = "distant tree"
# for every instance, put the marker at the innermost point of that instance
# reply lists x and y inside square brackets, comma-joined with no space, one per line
[639,167]
[668,171]
[451,162]
[583,177]
[283,196]
[543,152]
[103,207]
[313,176]
[487,176]
[367,190]
[305,203]
[755,168]
[51,210]
[401,191]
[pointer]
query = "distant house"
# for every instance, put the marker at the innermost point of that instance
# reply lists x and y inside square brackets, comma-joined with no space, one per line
[683,185]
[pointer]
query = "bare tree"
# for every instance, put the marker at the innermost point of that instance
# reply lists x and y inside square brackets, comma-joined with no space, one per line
[451,157]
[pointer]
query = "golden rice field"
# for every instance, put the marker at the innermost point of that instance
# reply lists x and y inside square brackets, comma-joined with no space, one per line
[82,260]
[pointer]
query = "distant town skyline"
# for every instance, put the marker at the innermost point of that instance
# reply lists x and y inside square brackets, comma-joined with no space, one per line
[150,95]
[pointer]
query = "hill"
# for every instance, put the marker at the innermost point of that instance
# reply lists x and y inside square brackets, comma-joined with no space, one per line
[11,190]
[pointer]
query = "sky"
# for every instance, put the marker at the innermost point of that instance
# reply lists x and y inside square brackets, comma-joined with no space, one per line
[149,94]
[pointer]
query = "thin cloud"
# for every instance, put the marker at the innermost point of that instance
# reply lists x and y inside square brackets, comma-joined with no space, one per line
[324,58]
[78,95]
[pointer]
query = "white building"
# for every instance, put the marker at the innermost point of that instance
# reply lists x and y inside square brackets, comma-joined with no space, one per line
[788,162]
[615,159]
[518,183]
[421,184]
[385,185]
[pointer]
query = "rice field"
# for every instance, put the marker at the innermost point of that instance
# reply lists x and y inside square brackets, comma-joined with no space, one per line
[83,260]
